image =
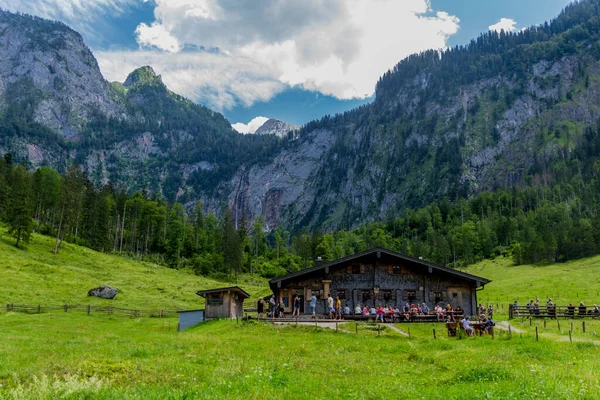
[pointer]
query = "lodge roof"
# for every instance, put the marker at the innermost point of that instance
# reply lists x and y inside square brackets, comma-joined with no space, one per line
[235,289]
[400,256]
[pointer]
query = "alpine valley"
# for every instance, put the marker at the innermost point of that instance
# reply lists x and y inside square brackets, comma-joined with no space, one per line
[508,109]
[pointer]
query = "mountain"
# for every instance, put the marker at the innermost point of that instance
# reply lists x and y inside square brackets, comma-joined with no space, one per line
[275,127]
[57,109]
[508,109]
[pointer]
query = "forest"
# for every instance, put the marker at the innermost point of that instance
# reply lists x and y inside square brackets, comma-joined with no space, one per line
[553,219]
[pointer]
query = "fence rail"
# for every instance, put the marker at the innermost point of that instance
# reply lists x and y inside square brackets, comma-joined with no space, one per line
[159,313]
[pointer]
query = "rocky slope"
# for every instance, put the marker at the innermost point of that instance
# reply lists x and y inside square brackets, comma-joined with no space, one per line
[494,114]
[275,127]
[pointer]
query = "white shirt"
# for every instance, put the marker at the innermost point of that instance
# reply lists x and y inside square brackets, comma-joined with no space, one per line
[466,323]
[330,302]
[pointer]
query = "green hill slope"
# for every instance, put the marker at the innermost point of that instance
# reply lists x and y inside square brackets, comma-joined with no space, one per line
[36,276]
[567,282]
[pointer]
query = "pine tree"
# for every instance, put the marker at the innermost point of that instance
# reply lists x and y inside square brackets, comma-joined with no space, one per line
[19,215]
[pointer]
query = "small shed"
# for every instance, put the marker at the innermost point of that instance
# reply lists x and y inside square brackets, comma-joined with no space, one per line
[188,318]
[224,302]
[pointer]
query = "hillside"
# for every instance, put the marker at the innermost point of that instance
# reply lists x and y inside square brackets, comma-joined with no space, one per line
[36,276]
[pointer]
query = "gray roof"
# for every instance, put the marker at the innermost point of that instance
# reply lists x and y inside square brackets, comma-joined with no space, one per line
[236,289]
[404,257]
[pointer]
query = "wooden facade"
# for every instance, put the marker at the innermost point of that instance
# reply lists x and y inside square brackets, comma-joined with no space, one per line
[224,302]
[380,276]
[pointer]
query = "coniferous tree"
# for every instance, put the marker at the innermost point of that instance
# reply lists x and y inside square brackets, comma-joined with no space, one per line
[19,215]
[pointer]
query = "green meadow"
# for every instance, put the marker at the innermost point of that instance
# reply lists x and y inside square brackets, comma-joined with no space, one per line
[58,355]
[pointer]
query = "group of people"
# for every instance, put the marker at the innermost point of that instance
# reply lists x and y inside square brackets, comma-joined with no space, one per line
[485,324]
[533,308]
[406,312]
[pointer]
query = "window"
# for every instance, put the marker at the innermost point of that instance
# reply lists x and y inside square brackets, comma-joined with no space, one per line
[214,299]
[341,293]
[454,295]
[396,270]
[387,294]
[365,295]
[356,269]
[437,297]
[411,295]
[317,292]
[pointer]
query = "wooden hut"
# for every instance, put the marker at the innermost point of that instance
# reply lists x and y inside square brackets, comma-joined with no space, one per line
[224,302]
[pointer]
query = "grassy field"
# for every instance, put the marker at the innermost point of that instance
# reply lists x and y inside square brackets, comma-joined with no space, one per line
[37,276]
[76,356]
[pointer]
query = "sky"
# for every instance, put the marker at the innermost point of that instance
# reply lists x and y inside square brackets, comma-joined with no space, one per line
[294,60]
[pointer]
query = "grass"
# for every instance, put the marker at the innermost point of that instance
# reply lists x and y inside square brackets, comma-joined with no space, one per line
[76,356]
[36,276]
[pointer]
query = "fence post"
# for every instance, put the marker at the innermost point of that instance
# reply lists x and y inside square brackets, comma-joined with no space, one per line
[66,307]
[161,313]
[39,308]
[537,337]
[434,334]
[88,309]
[378,330]
[544,323]
[509,332]
[409,333]
[570,337]
[583,326]
[357,328]
[336,325]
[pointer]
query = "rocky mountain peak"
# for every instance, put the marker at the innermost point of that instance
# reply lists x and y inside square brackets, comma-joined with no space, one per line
[275,127]
[143,76]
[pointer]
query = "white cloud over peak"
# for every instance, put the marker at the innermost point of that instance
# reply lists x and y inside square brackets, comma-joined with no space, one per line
[505,24]
[251,127]
[338,47]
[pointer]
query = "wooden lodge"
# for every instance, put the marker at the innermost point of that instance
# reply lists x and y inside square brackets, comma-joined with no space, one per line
[379,276]
[224,302]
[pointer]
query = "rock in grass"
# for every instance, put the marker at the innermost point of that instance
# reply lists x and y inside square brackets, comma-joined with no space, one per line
[104,291]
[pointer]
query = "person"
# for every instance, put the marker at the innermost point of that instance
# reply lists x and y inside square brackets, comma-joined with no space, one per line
[481,309]
[358,310]
[406,308]
[582,309]
[281,308]
[490,311]
[467,326]
[380,313]
[338,308]
[425,309]
[346,310]
[260,307]
[296,306]
[486,323]
[313,306]
[550,308]
[330,308]
[273,306]
[529,306]
[365,310]
[596,309]
[516,308]
[571,309]
[373,310]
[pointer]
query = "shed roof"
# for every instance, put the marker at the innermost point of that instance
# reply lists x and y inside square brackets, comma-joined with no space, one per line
[235,289]
[404,257]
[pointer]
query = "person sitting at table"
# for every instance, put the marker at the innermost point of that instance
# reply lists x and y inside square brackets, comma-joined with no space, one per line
[439,311]
[467,326]
[486,324]
[406,308]
[373,310]
[386,309]
[596,309]
[425,309]
[380,314]
[357,310]
[365,310]
[346,310]
[571,309]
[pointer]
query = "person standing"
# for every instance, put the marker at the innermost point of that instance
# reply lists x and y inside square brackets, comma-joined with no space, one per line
[313,306]
[330,306]
[296,306]
[260,308]
[273,306]
[338,307]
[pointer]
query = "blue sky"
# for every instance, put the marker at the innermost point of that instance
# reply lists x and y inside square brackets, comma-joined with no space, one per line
[287,59]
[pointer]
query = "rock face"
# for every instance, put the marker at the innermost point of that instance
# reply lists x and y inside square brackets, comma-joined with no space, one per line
[104,291]
[275,127]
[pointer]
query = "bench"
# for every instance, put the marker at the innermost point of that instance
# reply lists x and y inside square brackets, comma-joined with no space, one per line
[358,317]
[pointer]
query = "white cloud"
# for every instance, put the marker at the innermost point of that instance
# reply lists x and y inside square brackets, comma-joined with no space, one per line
[156,35]
[505,24]
[338,47]
[215,79]
[335,47]
[251,127]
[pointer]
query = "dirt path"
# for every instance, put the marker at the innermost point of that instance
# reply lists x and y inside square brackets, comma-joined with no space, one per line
[400,331]
[503,326]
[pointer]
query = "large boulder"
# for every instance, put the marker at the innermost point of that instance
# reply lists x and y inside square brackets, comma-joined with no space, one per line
[104,291]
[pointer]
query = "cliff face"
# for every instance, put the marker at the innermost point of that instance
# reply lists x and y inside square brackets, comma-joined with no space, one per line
[494,114]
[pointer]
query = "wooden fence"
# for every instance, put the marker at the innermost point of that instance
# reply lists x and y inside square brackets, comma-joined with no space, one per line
[36,309]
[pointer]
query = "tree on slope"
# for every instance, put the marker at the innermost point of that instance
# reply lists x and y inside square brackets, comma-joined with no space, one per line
[19,218]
